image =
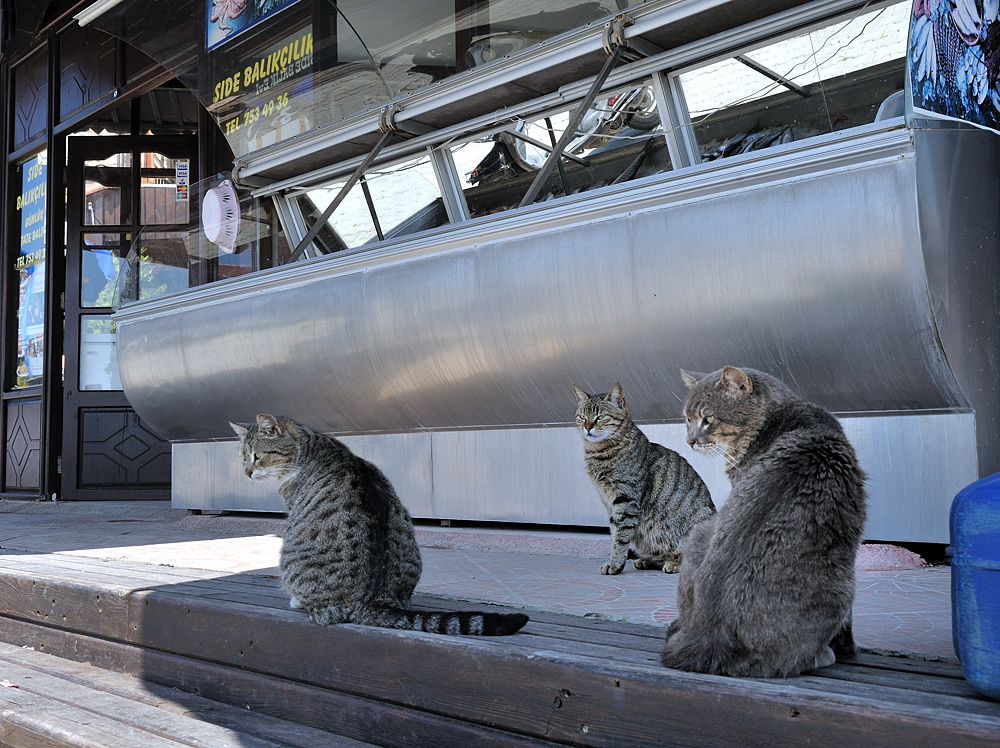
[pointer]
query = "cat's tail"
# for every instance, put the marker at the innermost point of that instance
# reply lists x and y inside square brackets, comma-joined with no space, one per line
[468,623]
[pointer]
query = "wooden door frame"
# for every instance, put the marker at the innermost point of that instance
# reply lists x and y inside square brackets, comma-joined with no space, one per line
[74,401]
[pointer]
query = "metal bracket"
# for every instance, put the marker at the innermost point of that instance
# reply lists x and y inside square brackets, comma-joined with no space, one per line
[387,119]
[614,37]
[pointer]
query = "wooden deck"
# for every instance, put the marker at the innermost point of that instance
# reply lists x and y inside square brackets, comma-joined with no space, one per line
[223,661]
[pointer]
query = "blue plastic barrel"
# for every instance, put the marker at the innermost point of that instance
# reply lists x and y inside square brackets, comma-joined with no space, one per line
[975,583]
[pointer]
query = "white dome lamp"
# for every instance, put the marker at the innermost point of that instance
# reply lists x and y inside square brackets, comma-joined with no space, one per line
[220,216]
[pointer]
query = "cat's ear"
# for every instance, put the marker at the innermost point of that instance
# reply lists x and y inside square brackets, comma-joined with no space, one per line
[617,395]
[735,382]
[580,394]
[240,429]
[268,424]
[691,379]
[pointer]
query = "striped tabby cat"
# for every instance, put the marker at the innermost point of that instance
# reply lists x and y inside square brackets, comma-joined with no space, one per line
[767,585]
[653,495]
[349,554]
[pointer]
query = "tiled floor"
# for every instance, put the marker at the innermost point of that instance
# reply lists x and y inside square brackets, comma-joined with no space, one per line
[904,611]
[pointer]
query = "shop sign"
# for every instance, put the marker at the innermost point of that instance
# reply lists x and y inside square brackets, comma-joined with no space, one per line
[265,97]
[30,267]
[31,205]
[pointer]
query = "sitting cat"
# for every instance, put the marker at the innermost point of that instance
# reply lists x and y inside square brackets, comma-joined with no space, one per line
[349,554]
[653,495]
[767,585]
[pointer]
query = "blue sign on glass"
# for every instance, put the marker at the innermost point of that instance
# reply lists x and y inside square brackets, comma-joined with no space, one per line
[227,19]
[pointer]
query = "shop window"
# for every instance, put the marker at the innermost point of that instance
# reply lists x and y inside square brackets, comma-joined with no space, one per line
[29,267]
[828,79]
[221,233]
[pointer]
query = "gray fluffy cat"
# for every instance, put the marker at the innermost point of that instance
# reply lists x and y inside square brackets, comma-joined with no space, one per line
[767,585]
[349,554]
[653,495]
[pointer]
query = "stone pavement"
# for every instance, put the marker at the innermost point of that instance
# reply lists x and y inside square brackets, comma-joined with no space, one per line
[897,609]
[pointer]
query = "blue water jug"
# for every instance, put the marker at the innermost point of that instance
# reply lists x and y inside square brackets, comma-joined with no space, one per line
[975,583]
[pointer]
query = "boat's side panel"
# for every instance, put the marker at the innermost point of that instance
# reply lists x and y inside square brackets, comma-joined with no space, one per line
[915,466]
[818,279]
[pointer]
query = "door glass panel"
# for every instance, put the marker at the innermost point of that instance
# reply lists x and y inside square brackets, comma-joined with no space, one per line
[98,356]
[160,264]
[164,190]
[30,269]
[101,262]
[105,183]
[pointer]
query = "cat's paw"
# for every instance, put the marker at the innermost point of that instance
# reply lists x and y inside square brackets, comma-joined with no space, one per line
[294,604]
[825,657]
[671,567]
[612,569]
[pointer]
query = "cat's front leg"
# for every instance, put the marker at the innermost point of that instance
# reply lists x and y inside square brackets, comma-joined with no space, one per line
[623,522]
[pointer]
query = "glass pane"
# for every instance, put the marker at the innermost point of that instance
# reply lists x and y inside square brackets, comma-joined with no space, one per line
[98,357]
[618,139]
[270,70]
[165,190]
[401,199]
[100,265]
[826,80]
[30,269]
[105,182]
[161,259]
[229,234]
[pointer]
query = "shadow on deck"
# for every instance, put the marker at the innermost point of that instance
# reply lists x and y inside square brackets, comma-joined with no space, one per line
[227,651]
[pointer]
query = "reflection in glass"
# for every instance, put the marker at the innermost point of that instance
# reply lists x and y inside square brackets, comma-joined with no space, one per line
[164,190]
[829,79]
[162,259]
[98,357]
[270,70]
[105,182]
[100,265]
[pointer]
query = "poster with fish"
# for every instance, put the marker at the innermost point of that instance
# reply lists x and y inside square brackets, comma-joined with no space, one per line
[954,60]
[227,19]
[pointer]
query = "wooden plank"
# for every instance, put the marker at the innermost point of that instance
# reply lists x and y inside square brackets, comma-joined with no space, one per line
[964,703]
[514,684]
[591,623]
[220,715]
[911,664]
[31,721]
[62,695]
[917,682]
[363,719]
[501,684]
[91,608]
